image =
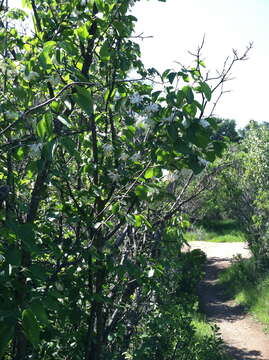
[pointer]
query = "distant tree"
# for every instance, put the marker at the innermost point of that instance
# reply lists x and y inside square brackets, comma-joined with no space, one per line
[226,128]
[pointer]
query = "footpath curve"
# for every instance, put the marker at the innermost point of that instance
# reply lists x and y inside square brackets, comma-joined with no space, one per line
[243,336]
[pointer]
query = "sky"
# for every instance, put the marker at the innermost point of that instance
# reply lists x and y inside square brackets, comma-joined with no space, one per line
[178,27]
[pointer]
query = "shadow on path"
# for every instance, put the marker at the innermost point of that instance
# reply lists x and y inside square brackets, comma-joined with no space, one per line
[218,307]
[243,354]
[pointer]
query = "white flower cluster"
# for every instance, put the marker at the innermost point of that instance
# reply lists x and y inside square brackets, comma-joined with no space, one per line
[185,123]
[144,123]
[202,162]
[135,157]
[35,149]
[169,119]
[12,115]
[108,148]
[124,156]
[204,123]
[136,99]
[32,75]
[170,176]
[152,108]
[114,176]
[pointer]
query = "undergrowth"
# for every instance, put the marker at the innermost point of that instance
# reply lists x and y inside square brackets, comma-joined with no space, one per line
[209,333]
[248,287]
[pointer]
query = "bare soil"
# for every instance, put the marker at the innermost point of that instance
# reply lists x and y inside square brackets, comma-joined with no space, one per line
[243,336]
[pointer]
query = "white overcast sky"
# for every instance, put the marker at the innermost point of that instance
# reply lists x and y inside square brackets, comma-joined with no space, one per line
[178,26]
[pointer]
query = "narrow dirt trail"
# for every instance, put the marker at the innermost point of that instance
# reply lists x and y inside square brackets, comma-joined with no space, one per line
[242,335]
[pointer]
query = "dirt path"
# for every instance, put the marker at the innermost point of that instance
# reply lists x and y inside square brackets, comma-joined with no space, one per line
[243,336]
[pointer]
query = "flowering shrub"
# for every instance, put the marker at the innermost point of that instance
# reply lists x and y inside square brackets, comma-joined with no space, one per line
[84,248]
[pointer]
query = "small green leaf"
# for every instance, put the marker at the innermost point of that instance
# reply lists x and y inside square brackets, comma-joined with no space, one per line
[141,192]
[149,173]
[84,100]
[20,153]
[71,147]
[45,126]
[25,232]
[82,32]
[105,51]
[39,311]
[165,73]
[187,90]
[49,45]
[138,220]
[206,90]
[31,327]
[190,109]
[171,77]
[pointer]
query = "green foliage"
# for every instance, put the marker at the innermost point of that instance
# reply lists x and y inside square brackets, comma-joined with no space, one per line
[90,238]
[226,129]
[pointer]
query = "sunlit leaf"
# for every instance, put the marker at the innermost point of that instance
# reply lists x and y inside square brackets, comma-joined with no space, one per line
[31,327]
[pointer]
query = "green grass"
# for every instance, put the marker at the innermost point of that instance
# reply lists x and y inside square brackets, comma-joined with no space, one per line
[248,288]
[202,327]
[205,331]
[216,231]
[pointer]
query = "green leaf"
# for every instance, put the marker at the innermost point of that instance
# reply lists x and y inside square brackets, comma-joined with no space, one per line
[187,90]
[149,173]
[206,90]
[190,109]
[39,311]
[105,51]
[180,98]
[43,59]
[182,148]
[165,73]
[20,153]
[49,45]
[82,32]
[153,172]
[71,147]
[141,191]
[6,334]
[38,272]
[45,126]
[84,100]
[171,77]
[219,146]
[25,232]
[119,26]
[69,47]
[31,327]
